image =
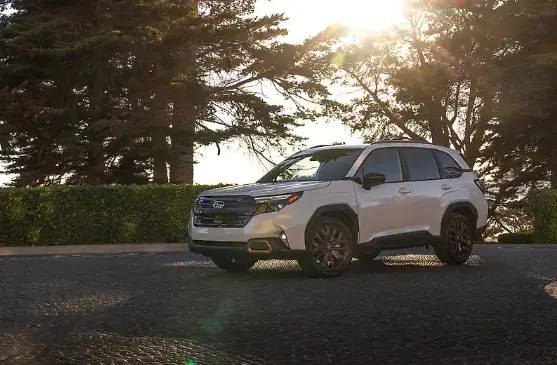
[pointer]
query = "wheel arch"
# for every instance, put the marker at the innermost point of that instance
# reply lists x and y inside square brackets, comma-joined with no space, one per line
[464,208]
[342,212]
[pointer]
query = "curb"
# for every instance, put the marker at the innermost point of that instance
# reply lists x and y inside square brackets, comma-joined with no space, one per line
[94,249]
[157,248]
[508,245]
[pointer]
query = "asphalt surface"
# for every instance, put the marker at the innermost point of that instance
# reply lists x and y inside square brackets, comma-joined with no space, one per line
[403,308]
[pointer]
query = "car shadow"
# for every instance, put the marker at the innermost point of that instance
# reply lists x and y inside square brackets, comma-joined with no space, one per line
[286,271]
[397,263]
[412,263]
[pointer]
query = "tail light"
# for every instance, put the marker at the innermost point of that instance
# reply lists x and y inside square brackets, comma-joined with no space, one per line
[480,185]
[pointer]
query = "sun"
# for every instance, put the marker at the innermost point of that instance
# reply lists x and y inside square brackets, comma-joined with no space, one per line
[360,14]
[309,17]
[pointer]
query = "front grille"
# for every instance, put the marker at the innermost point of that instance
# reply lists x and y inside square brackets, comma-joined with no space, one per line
[223,211]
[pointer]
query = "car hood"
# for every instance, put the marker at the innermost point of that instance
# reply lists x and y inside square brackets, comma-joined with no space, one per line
[267,189]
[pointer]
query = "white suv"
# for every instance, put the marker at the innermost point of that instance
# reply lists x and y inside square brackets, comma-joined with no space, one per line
[328,204]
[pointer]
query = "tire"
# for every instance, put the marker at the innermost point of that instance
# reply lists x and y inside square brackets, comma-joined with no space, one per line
[457,240]
[329,248]
[232,264]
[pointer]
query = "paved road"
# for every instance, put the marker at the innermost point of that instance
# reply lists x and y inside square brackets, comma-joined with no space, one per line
[179,309]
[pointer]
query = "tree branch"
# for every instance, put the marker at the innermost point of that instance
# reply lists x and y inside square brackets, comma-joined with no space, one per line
[394,120]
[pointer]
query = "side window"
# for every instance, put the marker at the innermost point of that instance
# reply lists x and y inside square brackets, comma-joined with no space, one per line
[421,164]
[384,161]
[450,168]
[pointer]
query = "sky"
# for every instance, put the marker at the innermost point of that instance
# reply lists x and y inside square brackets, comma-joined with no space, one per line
[306,17]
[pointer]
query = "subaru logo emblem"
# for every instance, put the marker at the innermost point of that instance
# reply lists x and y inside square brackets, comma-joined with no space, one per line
[219,204]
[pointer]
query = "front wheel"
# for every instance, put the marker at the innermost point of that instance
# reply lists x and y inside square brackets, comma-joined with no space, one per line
[233,264]
[457,241]
[329,248]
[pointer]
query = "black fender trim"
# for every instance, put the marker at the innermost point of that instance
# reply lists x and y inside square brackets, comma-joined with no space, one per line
[344,208]
[456,206]
[398,241]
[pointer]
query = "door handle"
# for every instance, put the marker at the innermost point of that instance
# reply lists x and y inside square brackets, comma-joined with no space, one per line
[446,187]
[404,191]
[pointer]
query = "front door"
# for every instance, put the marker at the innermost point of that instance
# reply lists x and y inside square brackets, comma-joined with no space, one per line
[382,210]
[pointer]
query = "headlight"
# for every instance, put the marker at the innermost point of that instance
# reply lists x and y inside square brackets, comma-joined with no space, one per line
[270,204]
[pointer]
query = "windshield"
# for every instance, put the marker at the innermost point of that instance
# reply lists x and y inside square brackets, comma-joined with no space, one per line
[324,165]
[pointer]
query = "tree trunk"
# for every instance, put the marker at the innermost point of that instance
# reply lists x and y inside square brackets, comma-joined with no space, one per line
[438,136]
[160,170]
[159,141]
[95,163]
[554,177]
[182,148]
[184,117]
[95,152]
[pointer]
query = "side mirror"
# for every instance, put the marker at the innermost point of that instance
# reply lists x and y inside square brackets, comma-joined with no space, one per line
[453,172]
[372,179]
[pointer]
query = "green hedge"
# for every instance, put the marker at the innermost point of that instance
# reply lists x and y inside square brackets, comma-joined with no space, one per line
[64,215]
[516,238]
[542,204]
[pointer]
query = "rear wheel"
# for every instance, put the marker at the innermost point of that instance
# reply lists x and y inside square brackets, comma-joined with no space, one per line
[457,241]
[233,264]
[329,248]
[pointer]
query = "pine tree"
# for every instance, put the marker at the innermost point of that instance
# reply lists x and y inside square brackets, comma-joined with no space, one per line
[91,88]
[59,90]
[524,144]
[216,94]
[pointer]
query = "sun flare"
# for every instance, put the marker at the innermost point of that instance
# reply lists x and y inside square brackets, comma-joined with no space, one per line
[360,14]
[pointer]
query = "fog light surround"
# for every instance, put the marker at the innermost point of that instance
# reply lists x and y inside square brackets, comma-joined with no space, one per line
[259,246]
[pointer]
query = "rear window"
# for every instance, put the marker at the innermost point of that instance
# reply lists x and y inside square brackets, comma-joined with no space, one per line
[421,164]
[445,160]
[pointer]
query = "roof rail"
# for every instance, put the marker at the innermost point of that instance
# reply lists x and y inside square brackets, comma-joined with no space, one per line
[312,147]
[302,151]
[401,141]
[297,153]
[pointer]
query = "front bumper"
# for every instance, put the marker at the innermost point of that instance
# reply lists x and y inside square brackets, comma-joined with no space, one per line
[257,248]
[287,221]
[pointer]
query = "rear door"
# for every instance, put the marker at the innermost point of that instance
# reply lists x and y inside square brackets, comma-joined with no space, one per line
[422,172]
[382,209]
[455,185]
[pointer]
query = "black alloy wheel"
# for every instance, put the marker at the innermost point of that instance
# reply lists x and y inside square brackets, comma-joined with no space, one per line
[329,246]
[458,241]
